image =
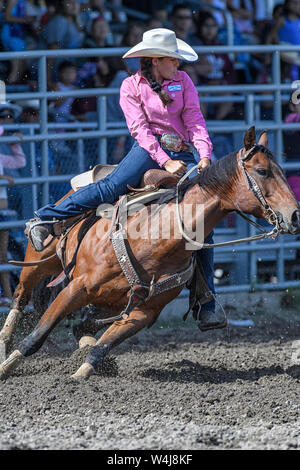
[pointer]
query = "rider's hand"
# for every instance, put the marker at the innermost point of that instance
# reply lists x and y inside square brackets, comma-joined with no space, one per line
[176,167]
[204,163]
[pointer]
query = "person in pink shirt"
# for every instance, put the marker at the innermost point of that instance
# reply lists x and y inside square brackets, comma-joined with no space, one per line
[158,100]
[16,159]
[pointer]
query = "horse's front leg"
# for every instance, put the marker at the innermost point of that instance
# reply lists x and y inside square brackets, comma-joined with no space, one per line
[72,297]
[114,335]
[29,278]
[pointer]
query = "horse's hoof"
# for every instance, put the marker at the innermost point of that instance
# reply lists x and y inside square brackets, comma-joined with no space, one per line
[10,363]
[2,373]
[84,372]
[3,349]
[87,341]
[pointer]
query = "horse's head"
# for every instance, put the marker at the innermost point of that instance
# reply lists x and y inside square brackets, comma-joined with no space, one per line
[266,192]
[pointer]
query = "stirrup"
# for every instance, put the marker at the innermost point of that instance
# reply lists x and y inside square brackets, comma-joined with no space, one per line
[37,244]
[213,320]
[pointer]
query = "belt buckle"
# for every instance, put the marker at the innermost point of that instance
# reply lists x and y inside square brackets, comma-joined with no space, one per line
[171,142]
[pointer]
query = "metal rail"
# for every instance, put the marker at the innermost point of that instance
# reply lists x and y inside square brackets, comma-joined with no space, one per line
[251,95]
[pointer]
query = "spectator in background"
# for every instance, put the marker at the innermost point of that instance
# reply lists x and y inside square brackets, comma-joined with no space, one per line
[15,32]
[9,113]
[61,107]
[181,18]
[106,72]
[63,31]
[292,138]
[60,112]
[249,18]
[132,36]
[153,23]
[243,15]
[94,8]
[213,69]
[30,112]
[2,11]
[218,14]
[100,34]
[155,8]
[50,12]
[101,69]
[265,75]
[11,158]
[278,11]
[31,115]
[286,30]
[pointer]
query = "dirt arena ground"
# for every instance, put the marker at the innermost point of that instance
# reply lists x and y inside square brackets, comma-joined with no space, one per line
[170,387]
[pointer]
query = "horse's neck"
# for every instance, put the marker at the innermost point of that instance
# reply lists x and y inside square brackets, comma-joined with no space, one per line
[210,206]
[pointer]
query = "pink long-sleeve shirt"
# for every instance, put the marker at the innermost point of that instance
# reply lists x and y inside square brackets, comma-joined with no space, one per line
[146,115]
[16,159]
[13,161]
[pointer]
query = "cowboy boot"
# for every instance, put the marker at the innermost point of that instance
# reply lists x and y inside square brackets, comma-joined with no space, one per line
[211,320]
[38,231]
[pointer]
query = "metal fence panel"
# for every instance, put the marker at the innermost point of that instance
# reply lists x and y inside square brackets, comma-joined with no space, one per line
[57,151]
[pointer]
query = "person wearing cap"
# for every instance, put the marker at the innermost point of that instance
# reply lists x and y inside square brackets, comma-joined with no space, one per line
[11,157]
[158,101]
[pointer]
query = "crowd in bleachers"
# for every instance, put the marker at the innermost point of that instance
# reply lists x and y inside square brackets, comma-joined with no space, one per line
[53,24]
[72,24]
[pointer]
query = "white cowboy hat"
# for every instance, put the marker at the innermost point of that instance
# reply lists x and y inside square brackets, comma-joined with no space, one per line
[161,42]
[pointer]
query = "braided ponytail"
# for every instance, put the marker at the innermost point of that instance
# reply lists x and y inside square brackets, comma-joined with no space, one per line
[146,69]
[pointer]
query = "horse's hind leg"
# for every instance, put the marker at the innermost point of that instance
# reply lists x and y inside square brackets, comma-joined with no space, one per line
[114,335]
[29,277]
[69,299]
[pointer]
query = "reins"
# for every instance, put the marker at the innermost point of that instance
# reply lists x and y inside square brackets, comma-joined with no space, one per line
[252,186]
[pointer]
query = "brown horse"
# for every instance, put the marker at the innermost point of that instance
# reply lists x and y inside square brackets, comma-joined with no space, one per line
[29,278]
[249,181]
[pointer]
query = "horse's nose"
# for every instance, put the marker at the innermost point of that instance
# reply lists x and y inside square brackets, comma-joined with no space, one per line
[296,219]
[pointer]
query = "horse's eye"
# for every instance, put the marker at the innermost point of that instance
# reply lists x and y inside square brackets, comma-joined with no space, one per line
[262,172]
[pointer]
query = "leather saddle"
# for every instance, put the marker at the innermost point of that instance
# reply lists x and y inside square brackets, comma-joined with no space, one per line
[152,179]
[152,185]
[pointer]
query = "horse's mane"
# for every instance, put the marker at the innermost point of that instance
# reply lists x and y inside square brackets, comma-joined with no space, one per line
[216,178]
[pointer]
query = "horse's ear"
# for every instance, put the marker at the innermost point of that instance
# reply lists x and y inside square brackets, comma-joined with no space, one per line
[250,138]
[263,139]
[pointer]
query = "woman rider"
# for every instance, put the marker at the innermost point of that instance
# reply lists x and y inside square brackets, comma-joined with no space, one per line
[157,100]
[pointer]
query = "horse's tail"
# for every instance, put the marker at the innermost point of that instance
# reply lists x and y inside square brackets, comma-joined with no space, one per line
[32,263]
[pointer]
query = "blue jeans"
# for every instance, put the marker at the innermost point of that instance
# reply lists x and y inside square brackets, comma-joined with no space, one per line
[128,172]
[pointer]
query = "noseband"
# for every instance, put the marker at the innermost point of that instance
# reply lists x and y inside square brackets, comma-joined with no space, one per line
[269,213]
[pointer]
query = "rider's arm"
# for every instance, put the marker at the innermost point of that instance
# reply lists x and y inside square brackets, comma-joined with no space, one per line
[139,128]
[16,160]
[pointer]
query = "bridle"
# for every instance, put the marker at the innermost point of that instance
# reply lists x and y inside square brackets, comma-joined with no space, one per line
[269,213]
[252,185]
